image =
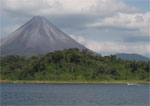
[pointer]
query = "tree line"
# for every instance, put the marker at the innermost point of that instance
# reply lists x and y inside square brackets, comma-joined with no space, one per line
[72,65]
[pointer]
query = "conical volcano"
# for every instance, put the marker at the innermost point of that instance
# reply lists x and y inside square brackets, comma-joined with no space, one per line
[38,36]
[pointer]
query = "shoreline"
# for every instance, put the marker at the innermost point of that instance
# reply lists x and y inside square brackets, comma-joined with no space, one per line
[74,82]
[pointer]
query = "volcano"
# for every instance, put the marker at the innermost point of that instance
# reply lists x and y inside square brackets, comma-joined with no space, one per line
[38,36]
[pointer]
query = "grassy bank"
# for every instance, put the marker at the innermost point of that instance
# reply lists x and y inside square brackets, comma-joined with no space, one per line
[77,82]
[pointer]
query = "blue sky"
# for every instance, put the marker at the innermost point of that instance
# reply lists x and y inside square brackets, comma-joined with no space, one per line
[105,26]
[141,4]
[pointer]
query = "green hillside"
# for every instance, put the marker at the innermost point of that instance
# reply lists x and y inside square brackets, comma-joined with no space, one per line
[72,65]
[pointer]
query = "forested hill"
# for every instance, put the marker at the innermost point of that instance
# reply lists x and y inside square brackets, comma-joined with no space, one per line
[136,57]
[72,65]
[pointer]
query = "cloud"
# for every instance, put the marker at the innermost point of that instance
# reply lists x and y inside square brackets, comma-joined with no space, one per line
[5,29]
[107,47]
[108,21]
[134,21]
[135,39]
[117,47]
[76,13]
[47,7]
[78,39]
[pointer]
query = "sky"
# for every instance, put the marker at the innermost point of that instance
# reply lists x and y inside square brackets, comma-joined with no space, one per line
[104,26]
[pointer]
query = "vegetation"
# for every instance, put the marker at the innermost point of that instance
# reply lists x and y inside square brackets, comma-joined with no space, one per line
[72,65]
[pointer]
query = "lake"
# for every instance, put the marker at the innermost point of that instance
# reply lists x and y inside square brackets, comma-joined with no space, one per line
[15,94]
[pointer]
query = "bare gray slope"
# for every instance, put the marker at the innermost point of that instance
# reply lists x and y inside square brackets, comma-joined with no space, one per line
[37,36]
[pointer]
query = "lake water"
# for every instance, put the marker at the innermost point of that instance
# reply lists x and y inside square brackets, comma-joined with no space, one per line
[14,94]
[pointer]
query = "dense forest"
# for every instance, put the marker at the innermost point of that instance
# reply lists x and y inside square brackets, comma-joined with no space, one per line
[72,65]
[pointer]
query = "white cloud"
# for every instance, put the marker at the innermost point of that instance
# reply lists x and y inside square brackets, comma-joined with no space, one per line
[117,47]
[110,47]
[125,20]
[47,7]
[78,38]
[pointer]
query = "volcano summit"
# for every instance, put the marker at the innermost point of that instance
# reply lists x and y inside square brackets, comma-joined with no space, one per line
[38,36]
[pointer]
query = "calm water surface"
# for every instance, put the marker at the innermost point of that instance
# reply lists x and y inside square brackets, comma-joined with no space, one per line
[13,94]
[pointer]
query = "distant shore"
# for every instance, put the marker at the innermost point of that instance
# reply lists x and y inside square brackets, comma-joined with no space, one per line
[75,82]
